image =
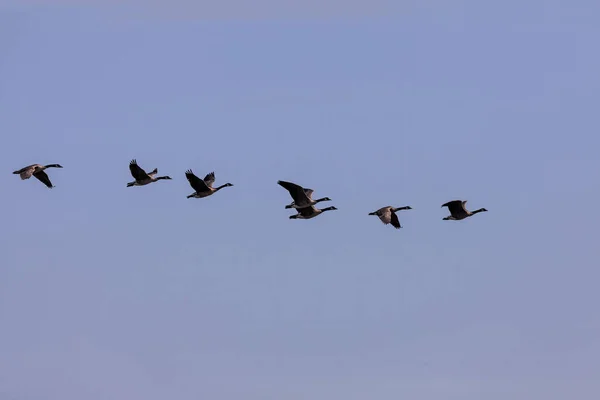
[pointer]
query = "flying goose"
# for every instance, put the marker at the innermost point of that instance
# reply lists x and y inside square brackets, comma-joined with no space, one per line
[458,211]
[310,212]
[141,177]
[37,170]
[302,196]
[203,187]
[387,215]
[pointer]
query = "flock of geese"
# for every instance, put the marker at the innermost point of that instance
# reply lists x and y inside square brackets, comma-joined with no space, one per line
[302,202]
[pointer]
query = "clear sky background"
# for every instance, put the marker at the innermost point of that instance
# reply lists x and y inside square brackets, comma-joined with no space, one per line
[108,292]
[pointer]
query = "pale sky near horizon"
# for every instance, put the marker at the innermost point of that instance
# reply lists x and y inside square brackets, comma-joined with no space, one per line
[108,292]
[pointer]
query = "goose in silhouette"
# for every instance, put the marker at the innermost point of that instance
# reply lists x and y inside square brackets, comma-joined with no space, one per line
[302,196]
[141,177]
[203,187]
[458,211]
[387,215]
[310,212]
[37,170]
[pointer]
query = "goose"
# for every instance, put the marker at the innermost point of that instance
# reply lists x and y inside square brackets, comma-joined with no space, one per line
[458,211]
[387,215]
[203,187]
[302,196]
[141,177]
[37,170]
[310,212]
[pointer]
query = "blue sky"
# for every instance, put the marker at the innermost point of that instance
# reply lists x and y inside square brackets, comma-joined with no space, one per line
[108,292]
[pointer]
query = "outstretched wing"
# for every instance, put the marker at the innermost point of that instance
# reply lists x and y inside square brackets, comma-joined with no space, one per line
[456,207]
[394,220]
[308,193]
[43,177]
[137,172]
[209,179]
[296,191]
[196,183]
